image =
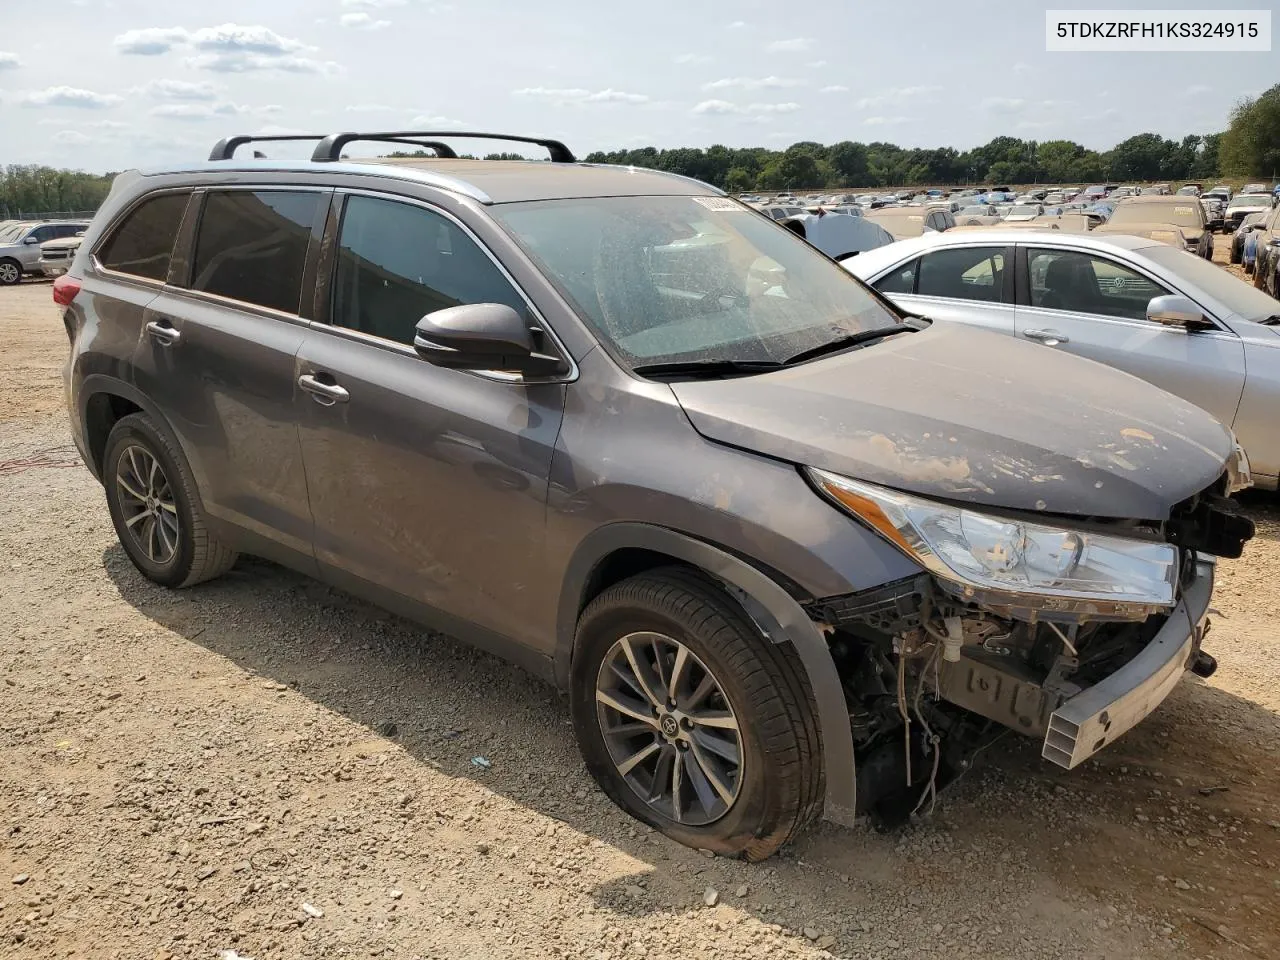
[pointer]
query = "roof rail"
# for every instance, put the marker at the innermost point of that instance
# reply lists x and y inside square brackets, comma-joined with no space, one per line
[225,148]
[329,148]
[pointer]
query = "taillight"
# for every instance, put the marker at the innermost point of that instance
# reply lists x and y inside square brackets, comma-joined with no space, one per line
[65,289]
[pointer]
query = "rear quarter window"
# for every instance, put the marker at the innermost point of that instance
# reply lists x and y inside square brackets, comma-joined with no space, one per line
[142,244]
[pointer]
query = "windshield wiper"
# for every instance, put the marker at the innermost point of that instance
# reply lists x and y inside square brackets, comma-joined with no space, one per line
[852,340]
[709,367]
[1271,321]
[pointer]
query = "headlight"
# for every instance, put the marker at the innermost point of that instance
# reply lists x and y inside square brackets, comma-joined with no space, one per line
[1028,564]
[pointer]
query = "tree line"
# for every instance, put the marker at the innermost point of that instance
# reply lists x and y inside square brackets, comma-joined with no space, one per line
[28,189]
[808,164]
[1250,147]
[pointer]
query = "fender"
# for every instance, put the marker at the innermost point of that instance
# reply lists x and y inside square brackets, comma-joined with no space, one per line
[102,383]
[775,611]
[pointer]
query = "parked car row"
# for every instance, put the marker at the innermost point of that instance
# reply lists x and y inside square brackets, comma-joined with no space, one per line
[20,245]
[792,550]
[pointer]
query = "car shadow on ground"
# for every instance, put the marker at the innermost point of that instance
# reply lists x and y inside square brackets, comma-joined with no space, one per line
[450,703]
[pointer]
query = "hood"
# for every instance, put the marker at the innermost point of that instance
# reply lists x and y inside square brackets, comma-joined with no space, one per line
[961,414]
[64,243]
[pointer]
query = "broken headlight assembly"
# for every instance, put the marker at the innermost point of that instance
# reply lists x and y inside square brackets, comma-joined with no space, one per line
[1015,564]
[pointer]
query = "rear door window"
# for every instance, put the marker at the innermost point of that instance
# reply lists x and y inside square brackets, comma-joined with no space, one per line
[143,242]
[252,245]
[901,280]
[966,273]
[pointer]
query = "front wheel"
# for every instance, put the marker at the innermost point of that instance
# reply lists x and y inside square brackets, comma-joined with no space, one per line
[10,272]
[692,721]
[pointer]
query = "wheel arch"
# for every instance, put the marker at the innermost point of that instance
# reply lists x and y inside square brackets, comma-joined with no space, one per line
[105,400]
[620,550]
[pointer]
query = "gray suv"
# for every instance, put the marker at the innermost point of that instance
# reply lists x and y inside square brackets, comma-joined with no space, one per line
[20,246]
[791,552]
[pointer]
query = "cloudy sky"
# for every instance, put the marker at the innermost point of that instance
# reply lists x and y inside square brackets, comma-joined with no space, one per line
[108,84]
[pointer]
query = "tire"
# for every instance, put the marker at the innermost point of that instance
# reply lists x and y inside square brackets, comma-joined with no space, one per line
[10,272]
[157,512]
[780,781]
[1237,254]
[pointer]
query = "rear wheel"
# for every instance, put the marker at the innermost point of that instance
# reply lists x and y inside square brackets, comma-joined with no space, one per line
[154,508]
[10,272]
[692,721]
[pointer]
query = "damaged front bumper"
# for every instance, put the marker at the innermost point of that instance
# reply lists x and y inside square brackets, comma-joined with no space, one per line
[1095,717]
[1076,723]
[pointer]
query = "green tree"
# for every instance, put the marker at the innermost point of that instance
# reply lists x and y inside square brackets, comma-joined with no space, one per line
[1251,145]
[739,180]
[849,160]
[1140,157]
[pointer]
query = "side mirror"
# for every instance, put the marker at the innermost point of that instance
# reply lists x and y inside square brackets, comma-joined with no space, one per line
[482,336]
[1175,311]
[30,241]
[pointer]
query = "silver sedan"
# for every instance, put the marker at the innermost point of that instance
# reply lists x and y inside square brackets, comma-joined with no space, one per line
[1143,306]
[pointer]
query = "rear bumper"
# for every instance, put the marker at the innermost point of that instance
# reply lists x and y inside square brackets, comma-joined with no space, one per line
[1097,716]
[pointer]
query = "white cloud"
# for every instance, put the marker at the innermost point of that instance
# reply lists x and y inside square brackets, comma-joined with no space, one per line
[70,97]
[1196,89]
[235,62]
[773,108]
[835,88]
[715,107]
[71,138]
[683,58]
[885,121]
[737,25]
[1004,104]
[269,108]
[562,96]
[616,96]
[362,21]
[181,90]
[894,95]
[9,61]
[817,63]
[372,108]
[151,41]
[794,45]
[429,120]
[374,4]
[234,38]
[196,111]
[752,83]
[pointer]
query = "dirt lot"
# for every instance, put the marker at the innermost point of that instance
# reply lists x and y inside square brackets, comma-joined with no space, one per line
[182,772]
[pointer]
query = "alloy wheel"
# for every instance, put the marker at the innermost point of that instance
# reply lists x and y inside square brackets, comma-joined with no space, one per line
[669,728]
[9,273]
[146,503]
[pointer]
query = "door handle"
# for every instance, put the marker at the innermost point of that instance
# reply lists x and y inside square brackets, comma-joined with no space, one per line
[163,333]
[1048,337]
[325,393]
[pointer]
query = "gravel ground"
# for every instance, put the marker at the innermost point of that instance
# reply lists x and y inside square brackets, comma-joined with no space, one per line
[265,765]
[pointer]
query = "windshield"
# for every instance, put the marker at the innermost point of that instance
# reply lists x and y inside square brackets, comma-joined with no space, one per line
[1239,297]
[676,279]
[975,212]
[11,233]
[1181,214]
[1025,209]
[1250,200]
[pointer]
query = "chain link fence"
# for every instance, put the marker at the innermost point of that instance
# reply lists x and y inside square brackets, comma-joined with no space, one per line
[13,213]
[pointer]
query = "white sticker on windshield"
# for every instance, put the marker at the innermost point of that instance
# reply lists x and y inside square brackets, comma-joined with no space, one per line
[1184,211]
[719,204]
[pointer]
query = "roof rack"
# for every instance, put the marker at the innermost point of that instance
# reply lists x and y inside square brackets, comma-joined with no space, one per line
[330,148]
[225,148]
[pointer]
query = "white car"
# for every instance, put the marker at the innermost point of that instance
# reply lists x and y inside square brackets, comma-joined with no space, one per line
[1146,307]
